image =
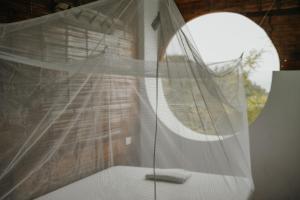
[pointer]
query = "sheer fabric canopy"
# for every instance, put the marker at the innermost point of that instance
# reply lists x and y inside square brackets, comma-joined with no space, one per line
[95,87]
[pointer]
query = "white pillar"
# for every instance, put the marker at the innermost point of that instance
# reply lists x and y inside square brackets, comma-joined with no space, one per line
[148,42]
[148,48]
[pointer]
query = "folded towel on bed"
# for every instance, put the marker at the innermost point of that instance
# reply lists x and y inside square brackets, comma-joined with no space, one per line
[169,175]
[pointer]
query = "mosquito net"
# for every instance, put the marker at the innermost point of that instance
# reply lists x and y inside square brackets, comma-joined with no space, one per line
[93,99]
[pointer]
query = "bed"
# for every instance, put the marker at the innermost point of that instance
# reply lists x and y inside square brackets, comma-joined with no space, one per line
[129,183]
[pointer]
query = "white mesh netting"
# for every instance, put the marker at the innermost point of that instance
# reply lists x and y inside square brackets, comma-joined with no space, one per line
[94,90]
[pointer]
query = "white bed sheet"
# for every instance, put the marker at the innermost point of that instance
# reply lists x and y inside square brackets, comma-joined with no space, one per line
[128,183]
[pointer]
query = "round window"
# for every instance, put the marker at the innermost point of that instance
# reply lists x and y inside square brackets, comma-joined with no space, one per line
[225,36]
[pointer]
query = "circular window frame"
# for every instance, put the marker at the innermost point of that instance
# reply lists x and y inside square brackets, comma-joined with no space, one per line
[168,118]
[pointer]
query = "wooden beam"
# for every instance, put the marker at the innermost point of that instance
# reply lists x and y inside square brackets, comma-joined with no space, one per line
[280,12]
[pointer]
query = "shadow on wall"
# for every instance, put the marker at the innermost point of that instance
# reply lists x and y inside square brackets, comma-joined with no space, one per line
[274,141]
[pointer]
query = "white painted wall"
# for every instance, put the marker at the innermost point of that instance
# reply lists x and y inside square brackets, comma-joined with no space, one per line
[275,141]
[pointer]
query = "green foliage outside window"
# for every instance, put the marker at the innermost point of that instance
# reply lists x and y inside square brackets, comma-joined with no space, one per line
[256,95]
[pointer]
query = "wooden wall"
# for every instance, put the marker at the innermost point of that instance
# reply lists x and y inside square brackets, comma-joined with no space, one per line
[87,147]
[87,117]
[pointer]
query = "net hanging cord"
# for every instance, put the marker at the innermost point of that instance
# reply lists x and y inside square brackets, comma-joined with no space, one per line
[156,131]
[155,26]
[267,13]
[155,134]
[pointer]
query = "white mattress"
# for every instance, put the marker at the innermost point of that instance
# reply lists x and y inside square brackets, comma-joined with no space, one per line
[128,183]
